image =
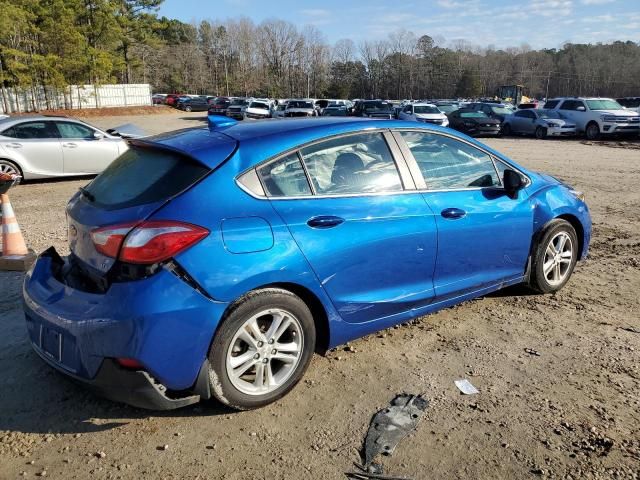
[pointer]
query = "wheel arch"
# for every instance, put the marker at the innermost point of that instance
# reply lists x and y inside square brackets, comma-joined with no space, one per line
[318,311]
[575,223]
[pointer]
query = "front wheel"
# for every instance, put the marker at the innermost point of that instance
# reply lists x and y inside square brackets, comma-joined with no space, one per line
[554,258]
[187,108]
[593,131]
[262,349]
[541,133]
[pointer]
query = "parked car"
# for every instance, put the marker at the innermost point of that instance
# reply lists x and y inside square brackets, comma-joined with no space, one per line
[46,146]
[493,110]
[374,109]
[336,109]
[539,122]
[447,107]
[280,110]
[193,104]
[423,112]
[238,108]
[259,108]
[300,108]
[219,106]
[474,122]
[630,103]
[596,116]
[172,98]
[171,296]
[158,98]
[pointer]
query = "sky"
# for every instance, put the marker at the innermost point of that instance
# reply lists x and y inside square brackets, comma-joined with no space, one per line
[501,23]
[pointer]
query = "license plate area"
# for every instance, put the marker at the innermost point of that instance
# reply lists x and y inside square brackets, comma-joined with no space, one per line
[59,347]
[51,343]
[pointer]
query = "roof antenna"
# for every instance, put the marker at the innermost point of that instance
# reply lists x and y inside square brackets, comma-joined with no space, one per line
[216,122]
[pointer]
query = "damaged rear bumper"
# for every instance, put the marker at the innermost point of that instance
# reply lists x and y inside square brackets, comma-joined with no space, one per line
[160,321]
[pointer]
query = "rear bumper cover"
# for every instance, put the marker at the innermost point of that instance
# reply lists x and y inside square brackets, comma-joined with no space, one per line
[135,388]
[160,321]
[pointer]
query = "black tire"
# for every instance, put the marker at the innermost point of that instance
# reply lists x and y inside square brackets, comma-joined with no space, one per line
[541,133]
[187,108]
[246,307]
[592,132]
[9,166]
[506,130]
[538,281]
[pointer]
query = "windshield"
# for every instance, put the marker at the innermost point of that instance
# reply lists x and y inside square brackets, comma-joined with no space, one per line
[603,105]
[477,114]
[260,105]
[335,105]
[447,108]
[239,101]
[549,114]
[281,107]
[299,105]
[377,106]
[425,109]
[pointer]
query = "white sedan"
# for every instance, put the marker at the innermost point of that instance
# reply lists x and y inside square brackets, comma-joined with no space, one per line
[423,112]
[42,147]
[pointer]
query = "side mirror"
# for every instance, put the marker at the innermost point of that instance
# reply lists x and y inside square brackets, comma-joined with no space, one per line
[512,182]
[98,136]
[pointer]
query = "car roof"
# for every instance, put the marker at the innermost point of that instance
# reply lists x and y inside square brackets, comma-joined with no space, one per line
[35,118]
[423,104]
[261,140]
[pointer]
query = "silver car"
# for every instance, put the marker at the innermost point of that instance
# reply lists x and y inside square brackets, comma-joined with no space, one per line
[539,122]
[42,146]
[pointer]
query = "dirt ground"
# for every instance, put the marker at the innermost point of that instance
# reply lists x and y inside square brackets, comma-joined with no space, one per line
[571,412]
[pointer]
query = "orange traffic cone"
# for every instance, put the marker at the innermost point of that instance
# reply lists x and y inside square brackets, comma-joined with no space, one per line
[15,254]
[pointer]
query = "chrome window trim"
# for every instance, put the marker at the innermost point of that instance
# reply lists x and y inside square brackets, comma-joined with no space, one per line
[412,161]
[398,161]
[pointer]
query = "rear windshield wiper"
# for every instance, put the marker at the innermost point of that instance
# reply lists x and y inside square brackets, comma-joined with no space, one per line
[87,194]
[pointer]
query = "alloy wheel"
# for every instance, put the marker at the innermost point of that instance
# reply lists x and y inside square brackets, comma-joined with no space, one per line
[557,258]
[265,352]
[6,167]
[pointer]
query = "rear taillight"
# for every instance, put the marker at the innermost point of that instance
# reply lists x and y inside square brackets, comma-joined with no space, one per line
[148,243]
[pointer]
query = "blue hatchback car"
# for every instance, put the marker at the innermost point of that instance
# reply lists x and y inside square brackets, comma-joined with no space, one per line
[213,262]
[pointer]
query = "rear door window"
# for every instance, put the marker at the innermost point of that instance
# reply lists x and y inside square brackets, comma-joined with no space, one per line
[449,164]
[144,175]
[32,130]
[359,163]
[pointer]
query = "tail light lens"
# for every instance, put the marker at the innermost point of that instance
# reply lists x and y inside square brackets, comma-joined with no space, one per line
[148,243]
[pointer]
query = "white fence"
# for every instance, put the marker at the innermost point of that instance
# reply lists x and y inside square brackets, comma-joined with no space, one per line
[74,97]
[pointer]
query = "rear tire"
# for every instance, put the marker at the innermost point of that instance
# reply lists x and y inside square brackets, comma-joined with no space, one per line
[262,349]
[592,131]
[541,133]
[7,166]
[554,257]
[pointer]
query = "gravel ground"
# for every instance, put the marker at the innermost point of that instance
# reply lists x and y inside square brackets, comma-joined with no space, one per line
[571,412]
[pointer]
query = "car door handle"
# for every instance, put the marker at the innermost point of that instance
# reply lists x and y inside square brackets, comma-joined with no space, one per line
[70,145]
[14,145]
[453,213]
[325,221]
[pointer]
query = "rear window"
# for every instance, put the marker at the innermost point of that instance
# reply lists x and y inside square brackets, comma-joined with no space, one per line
[144,175]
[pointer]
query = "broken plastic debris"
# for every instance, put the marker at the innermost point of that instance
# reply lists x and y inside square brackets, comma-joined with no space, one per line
[465,387]
[390,425]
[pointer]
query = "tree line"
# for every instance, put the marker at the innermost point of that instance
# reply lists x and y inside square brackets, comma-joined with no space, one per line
[57,43]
